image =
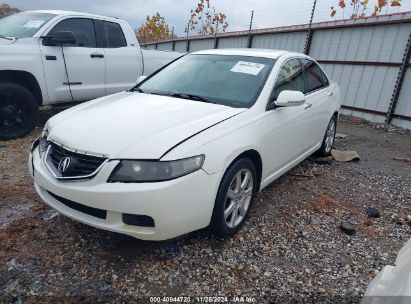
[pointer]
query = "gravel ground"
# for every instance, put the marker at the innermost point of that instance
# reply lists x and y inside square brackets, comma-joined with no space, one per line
[290,250]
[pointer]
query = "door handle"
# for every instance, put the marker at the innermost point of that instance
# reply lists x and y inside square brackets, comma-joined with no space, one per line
[307,105]
[96,55]
[331,94]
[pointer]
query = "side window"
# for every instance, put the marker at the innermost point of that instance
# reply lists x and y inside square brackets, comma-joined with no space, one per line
[83,30]
[290,78]
[316,79]
[113,35]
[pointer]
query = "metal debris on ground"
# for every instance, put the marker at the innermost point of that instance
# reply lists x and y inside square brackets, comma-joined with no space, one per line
[340,135]
[403,159]
[345,156]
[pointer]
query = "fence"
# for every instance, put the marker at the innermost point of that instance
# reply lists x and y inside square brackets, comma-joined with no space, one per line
[369,58]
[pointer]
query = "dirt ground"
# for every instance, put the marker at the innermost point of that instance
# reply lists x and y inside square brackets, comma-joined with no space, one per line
[290,250]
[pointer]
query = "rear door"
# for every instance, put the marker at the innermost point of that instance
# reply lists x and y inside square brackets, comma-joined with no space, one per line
[123,64]
[319,98]
[84,61]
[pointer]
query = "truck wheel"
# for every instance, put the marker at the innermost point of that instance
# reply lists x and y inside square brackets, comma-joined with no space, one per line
[19,111]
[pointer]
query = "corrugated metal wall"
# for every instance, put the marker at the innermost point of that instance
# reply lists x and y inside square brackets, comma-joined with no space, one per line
[202,44]
[293,41]
[232,42]
[181,46]
[382,43]
[363,56]
[364,87]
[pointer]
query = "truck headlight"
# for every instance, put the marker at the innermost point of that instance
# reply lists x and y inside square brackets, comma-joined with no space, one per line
[43,143]
[139,171]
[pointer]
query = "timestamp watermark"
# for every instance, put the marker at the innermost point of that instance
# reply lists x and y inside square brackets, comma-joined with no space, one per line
[202,299]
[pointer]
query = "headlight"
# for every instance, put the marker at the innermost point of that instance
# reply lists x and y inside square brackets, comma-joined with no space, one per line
[43,144]
[138,171]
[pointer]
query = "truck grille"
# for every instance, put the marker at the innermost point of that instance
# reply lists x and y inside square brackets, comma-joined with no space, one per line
[65,164]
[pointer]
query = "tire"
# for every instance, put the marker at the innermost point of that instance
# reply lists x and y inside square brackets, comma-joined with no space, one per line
[329,138]
[239,202]
[19,111]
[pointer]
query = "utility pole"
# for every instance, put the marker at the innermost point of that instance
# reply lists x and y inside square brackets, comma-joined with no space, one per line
[188,41]
[310,32]
[250,37]
[215,31]
[399,82]
[215,36]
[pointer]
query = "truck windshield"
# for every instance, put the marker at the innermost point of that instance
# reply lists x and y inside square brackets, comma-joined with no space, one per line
[23,25]
[234,81]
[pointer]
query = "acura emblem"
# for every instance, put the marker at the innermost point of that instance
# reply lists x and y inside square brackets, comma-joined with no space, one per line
[64,164]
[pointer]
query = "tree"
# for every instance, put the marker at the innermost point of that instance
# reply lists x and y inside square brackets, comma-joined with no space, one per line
[155,29]
[6,10]
[359,7]
[204,20]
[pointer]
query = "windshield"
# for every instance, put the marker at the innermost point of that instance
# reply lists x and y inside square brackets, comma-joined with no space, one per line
[23,25]
[234,81]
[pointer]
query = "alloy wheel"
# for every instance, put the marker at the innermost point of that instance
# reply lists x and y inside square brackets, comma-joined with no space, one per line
[330,136]
[238,198]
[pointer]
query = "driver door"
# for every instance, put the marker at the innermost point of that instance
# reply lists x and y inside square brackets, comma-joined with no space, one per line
[84,61]
[285,137]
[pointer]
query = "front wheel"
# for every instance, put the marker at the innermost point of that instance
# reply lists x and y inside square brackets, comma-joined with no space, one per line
[329,138]
[234,198]
[18,111]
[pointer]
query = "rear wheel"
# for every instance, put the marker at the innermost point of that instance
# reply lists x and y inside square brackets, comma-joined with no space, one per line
[234,198]
[329,138]
[18,111]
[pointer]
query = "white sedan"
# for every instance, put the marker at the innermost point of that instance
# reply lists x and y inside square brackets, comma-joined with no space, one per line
[189,146]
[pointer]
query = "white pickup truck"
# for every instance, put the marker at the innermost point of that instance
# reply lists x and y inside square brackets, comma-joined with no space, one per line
[53,57]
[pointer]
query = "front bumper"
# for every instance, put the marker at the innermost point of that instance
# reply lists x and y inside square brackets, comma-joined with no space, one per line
[178,206]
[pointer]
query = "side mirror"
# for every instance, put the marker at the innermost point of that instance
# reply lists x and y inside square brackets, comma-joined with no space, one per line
[290,99]
[59,38]
[141,78]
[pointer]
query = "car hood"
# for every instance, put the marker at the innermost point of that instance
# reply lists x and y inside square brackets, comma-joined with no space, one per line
[132,125]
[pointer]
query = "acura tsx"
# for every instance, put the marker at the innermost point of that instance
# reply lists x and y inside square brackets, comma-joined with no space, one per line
[189,146]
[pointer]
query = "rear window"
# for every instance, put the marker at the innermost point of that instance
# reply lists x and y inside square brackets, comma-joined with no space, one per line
[113,35]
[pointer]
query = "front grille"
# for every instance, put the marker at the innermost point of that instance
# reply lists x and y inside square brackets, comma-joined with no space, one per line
[99,213]
[79,165]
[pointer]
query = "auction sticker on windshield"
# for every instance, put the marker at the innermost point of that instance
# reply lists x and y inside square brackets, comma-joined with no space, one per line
[33,23]
[247,68]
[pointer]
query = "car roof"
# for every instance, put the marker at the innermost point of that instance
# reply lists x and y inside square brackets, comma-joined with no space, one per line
[266,53]
[70,13]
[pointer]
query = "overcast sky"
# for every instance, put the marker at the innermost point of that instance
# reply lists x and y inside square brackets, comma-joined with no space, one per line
[268,13]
